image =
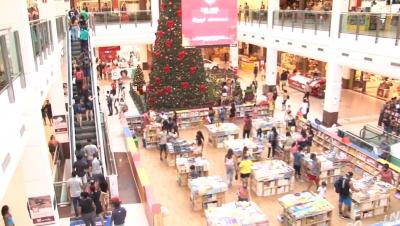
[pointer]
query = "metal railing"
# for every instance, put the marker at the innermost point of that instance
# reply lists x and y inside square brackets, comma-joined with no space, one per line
[303,19]
[120,18]
[42,43]
[110,160]
[378,25]
[71,115]
[61,193]
[254,17]
[61,27]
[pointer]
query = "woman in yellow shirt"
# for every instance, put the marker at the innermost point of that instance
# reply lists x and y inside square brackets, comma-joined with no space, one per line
[245,170]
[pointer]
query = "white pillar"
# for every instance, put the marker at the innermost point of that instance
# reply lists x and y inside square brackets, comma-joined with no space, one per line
[346,72]
[338,7]
[271,66]
[155,12]
[272,5]
[234,55]
[332,93]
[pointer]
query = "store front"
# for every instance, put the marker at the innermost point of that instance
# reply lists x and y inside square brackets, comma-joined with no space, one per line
[218,54]
[253,4]
[112,5]
[303,70]
[250,55]
[374,85]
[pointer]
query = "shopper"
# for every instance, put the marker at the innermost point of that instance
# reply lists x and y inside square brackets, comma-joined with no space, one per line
[385,174]
[322,190]
[81,167]
[246,12]
[49,112]
[255,71]
[284,78]
[87,209]
[342,187]
[95,196]
[245,170]
[78,111]
[240,12]
[243,194]
[230,166]
[273,139]
[287,145]
[84,35]
[74,185]
[232,111]
[222,111]
[43,110]
[119,213]
[304,108]
[314,172]
[307,90]
[297,157]
[7,217]
[211,115]
[199,144]
[285,97]
[79,76]
[90,150]
[163,142]
[247,126]
[74,26]
[89,108]
[193,174]
[96,167]
[109,103]
[290,120]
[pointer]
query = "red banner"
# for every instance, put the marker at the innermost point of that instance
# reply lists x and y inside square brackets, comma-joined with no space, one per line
[208,22]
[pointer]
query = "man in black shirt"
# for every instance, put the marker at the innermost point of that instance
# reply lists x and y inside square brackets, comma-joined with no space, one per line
[80,168]
[87,209]
[344,195]
[119,213]
[284,78]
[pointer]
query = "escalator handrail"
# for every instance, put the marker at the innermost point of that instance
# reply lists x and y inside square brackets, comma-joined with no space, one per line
[96,112]
[71,118]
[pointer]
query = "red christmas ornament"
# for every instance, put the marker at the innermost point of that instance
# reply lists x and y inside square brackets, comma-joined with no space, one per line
[202,88]
[157,54]
[168,89]
[160,34]
[149,88]
[157,80]
[162,7]
[167,69]
[181,55]
[179,13]
[159,93]
[185,85]
[193,70]
[168,43]
[170,24]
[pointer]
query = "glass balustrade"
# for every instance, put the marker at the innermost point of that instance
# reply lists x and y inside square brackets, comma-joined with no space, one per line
[121,18]
[304,19]
[254,17]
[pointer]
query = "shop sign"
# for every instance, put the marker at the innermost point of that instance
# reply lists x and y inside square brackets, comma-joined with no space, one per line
[209,22]
[41,210]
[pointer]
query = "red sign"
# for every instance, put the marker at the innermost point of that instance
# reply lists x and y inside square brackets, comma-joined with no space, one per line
[208,22]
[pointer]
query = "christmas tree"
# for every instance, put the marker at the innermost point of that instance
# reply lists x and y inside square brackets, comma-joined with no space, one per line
[138,79]
[177,78]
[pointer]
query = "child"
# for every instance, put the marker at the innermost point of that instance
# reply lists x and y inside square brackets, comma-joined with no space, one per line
[222,114]
[259,133]
[243,194]
[322,189]
[193,173]
[285,97]
[297,156]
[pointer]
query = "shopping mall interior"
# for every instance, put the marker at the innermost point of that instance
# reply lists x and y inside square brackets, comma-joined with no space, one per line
[194,113]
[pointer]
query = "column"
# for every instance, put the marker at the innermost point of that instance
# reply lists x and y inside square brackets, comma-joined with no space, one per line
[271,67]
[338,7]
[346,77]
[332,93]
[155,12]
[272,6]
[234,55]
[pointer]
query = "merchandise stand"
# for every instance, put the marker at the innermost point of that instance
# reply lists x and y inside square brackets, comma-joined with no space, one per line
[255,147]
[236,213]
[303,209]
[183,168]
[330,171]
[266,125]
[178,148]
[135,123]
[207,192]
[150,135]
[272,177]
[372,200]
[218,133]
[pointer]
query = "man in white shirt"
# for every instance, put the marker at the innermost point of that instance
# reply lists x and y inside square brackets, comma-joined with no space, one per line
[96,166]
[75,188]
[90,149]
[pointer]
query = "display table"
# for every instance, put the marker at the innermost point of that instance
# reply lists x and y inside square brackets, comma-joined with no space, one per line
[207,191]
[299,81]
[178,148]
[218,133]
[255,147]
[305,208]
[266,125]
[271,177]
[330,172]
[236,213]
[372,200]
[183,168]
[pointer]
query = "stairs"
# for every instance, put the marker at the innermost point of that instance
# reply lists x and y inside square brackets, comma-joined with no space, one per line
[88,129]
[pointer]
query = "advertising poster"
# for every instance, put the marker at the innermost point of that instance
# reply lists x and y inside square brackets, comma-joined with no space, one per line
[208,22]
[41,210]
[60,124]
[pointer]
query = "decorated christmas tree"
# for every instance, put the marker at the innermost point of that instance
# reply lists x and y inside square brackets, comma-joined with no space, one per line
[177,78]
[138,79]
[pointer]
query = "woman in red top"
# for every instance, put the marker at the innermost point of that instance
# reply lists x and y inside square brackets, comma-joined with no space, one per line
[386,174]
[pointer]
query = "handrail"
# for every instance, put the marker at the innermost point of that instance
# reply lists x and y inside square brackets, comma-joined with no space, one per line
[107,149]
[37,21]
[71,119]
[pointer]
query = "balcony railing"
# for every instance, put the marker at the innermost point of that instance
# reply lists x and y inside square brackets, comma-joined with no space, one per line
[61,27]
[254,17]
[121,18]
[303,19]
[41,40]
[378,25]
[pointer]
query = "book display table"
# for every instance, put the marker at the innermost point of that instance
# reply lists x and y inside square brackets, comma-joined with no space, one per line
[302,209]
[236,213]
[372,200]
[218,133]
[183,168]
[207,192]
[178,148]
[271,177]
[255,147]
[330,171]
